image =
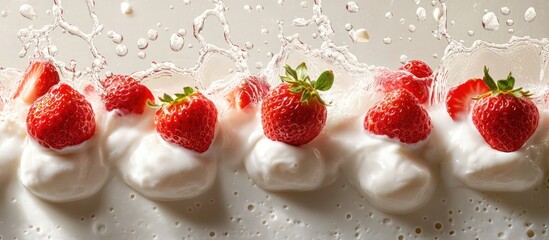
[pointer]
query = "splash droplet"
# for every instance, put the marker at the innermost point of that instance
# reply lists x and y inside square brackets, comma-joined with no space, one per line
[437,14]
[417,1]
[388,15]
[152,34]
[121,50]
[490,21]
[249,45]
[304,4]
[142,55]
[387,40]
[530,14]
[247,8]
[403,59]
[264,31]
[402,21]
[348,27]
[4,13]
[181,32]
[421,14]
[52,50]
[471,33]
[258,65]
[126,8]
[412,28]
[116,38]
[509,22]
[187,2]
[259,8]
[352,7]
[142,43]
[176,42]
[505,10]
[27,11]
[362,35]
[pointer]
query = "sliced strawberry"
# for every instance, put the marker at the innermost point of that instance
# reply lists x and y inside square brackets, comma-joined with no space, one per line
[251,90]
[460,98]
[395,80]
[37,80]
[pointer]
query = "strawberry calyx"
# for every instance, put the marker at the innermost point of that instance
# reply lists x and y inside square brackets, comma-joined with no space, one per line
[502,86]
[167,100]
[300,82]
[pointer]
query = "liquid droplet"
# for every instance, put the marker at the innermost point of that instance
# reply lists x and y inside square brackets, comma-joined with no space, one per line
[435,55]
[412,28]
[187,2]
[471,33]
[259,8]
[264,31]
[511,31]
[142,55]
[421,14]
[270,54]
[27,11]
[190,45]
[4,13]
[403,59]
[121,50]
[490,21]
[22,53]
[258,65]
[181,32]
[417,1]
[387,40]
[142,43]
[315,35]
[176,42]
[249,45]
[152,34]
[389,15]
[362,35]
[402,21]
[304,4]
[348,27]
[437,14]
[505,10]
[530,14]
[352,7]
[116,38]
[247,8]
[126,8]
[52,50]
[509,22]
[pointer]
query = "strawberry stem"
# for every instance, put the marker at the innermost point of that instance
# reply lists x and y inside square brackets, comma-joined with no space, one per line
[503,86]
[169,100]
[300,82]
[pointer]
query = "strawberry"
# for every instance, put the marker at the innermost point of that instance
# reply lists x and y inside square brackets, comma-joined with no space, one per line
[293,112]
[61,118]
[37,80]
[460,98]
[125,94]
[418,68]
[251,90]
[399,115]
[393,80]
[505,117]
[188,120]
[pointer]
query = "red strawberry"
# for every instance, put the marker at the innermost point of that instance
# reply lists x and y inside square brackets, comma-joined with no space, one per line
[293,112]
[505,117]
[37,80]
[418,68]
[460,98]
[399,115]
[61,118]
[125,94]
[251,90]
[188,120]
[394,80]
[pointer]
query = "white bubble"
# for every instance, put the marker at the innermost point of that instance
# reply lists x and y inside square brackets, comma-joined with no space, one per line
[176,42]
[435,55]
[421,14]
[27,11]
[142,43]
[348,27]
[412,28]
[511,31]
[126,8]
[362,35]
[4,13]
[505,10]
[247,8]
[402,21]
[249,45]
[264,31]
[171,7]
[352,7]
[490,21]
[190,45]
[116,38]
[530,14]
[259,8]
[22,53]
[187,2]
[509,22]
[471,33]
[258,65]
[387,40]
[315,35]
[121,50]
[152,34]
[181,32]
[141,55]
[52,50]
[270,54]
[304,4]
[403,59]
[388,15]
[416,1]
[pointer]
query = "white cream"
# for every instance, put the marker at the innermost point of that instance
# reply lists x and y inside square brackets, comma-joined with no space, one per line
[393,176]
[481,167]
[12,136]
[164,171]
[155,168]
[70,174]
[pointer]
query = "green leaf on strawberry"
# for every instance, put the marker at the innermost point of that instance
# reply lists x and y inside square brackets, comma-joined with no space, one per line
[300,82]
[503,86]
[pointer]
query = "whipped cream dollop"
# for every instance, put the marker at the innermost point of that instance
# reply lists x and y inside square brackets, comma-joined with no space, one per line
[393,176]
[480,166]
[277,166]
[70,174]
[155,168]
